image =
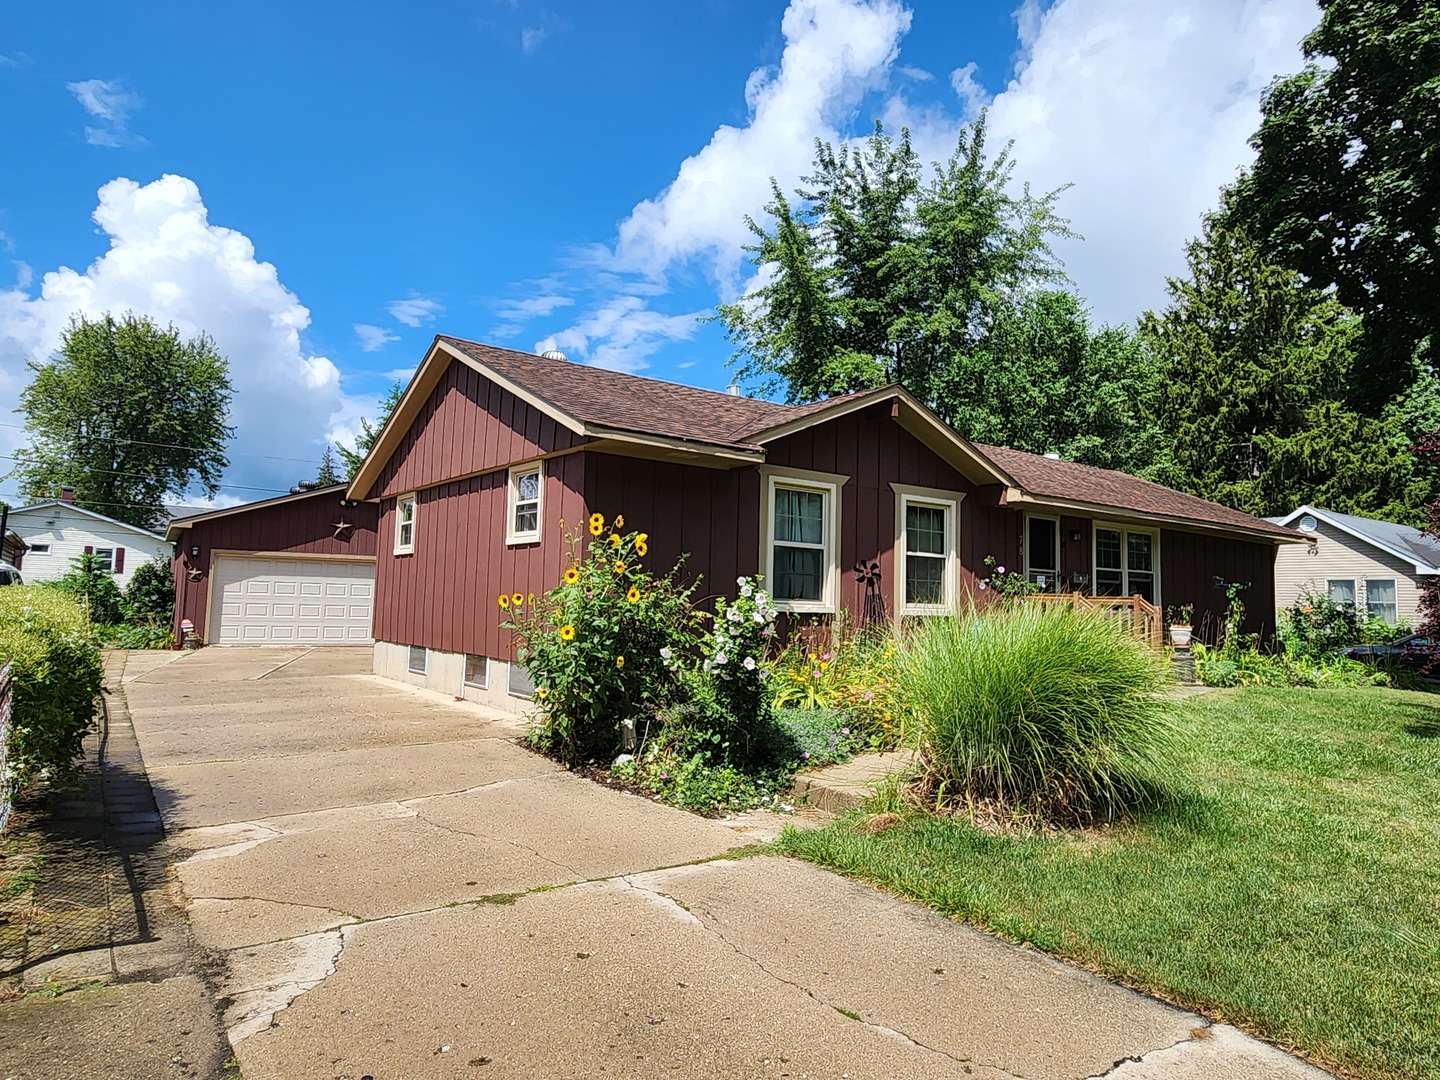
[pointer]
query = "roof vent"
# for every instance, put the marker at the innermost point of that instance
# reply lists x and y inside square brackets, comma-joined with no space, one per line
[733,390]
[1308,523]
[1052,455]
[555,354]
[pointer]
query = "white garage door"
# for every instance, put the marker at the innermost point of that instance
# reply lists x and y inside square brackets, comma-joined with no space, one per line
[292,601]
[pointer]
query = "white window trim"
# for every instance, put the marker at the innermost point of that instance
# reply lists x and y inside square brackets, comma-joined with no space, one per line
[512,488]
[1029,570]
[1354,590]
[109,551]
[38,549]
[949,501]
[828,484]
[1394,591]
[424,668]
[1122,528]
[484,683]
[414,500]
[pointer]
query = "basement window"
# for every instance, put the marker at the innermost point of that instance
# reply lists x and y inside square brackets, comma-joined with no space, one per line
[419,662]
[520,685]
[477,671]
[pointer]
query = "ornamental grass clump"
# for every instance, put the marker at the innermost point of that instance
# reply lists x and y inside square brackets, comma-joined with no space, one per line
[1031,712]
[600,646]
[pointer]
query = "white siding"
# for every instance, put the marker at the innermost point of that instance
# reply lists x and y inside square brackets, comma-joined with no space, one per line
[68,537]
[1338,555]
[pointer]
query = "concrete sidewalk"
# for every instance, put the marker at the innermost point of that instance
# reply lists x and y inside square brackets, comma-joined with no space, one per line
[394,889]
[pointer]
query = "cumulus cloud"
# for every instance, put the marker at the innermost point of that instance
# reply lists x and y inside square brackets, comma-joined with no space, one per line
[109,102]
[415,311]
[621,334]
[168,261]
[373,338]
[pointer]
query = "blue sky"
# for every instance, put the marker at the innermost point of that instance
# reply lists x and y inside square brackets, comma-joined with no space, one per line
[323,188]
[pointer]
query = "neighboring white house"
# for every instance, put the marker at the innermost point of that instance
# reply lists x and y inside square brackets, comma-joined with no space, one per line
[57,530]
[1377,565]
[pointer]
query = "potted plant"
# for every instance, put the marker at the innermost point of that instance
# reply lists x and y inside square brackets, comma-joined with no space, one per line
[1180,627]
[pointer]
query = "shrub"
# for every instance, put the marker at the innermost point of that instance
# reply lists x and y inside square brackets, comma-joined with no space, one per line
[1316,626]
[735,668]
[683,766]
[138,636]
[1249,667]
[56,673]
[1049,711]
[601,647]
[89,582]
[833,667]
[807,738]
[150,596]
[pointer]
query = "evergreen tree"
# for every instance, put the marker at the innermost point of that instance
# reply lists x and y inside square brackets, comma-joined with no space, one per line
[1254,369]
[354,456]
[328,472]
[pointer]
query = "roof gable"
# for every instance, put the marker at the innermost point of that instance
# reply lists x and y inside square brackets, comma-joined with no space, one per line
[1402,541]
[48,504]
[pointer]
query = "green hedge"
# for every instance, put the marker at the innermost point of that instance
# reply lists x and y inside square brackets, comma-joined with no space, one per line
[56,672]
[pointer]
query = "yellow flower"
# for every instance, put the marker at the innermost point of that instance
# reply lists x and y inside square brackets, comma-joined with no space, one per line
[541,692]
[642,538]
[619,568]
[614,540]
[530,599]
[518,599]
[567,632]
[640,547]
[619,521]
[633,595]
[597,524]
[571,576]
[504,600]
[619,661]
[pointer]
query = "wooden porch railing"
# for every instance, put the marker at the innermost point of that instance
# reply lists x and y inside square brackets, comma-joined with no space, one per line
[1143,618]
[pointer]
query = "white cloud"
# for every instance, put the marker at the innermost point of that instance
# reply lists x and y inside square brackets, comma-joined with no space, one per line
[531,37]
[534,307]
[415,311]
[108,101]
[918,74]
[166,260]
[621,334]
[373,338]
[968,89]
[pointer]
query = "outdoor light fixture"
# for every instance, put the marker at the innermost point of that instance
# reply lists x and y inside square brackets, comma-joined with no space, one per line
[194,551]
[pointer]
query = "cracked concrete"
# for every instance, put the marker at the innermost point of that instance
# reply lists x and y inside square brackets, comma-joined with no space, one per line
[432,899]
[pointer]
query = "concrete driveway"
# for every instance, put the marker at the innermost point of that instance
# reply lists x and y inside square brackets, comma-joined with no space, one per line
[393,889]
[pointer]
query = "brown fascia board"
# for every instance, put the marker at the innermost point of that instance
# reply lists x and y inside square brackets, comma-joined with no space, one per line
[1018,499]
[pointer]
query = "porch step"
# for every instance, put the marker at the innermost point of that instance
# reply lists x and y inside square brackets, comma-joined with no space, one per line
[841,787]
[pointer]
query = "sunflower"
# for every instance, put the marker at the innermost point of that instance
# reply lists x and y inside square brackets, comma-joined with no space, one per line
[619,661]
[504,601]
[640,548]
[518,599]
[633,595]
[567,632]
[619,567]
[640,538]
[614,540]
[597,524]
[571,576]
[619,521]
[541,692]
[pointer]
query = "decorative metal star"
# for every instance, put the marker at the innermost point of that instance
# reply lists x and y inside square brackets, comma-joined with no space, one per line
[194,573]
[341,527]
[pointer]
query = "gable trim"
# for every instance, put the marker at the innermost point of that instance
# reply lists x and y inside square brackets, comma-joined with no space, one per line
[1405,557]
[179,525]
[63,505]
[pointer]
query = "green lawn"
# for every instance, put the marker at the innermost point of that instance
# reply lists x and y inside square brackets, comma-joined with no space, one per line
[1292,889]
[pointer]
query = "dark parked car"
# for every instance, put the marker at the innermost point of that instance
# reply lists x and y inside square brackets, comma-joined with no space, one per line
[1416,651]
[9,575]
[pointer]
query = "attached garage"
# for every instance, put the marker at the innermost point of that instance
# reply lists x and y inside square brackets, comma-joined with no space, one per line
[291,601]
[297,570]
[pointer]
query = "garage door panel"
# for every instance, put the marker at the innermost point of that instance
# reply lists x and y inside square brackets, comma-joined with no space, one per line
[260,601]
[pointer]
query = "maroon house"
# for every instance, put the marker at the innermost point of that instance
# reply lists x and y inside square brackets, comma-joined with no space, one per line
[296,570]
[490,449]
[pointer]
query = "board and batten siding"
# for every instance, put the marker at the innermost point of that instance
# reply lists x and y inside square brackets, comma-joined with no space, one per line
[444,594]
[1338,555]
[71,534]
[1190,563]
[468,426]
[301,526]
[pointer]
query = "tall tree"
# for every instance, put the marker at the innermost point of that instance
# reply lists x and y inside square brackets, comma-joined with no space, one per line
[329,472]
[354,456]
[125,413]
[1346,187]
[1254,370]
[871,276]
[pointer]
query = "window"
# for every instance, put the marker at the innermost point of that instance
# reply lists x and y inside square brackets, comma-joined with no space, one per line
[105,559]
[1341,591]
[1126,562]
[1042,552]
[419,661]
[925,544]
[523,526]
[520,684]
[802,549]
[39,549]
[1380,600]
[405,524]
[477,671]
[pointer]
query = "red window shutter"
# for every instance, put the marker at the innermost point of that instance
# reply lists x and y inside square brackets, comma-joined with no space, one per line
[119,560]
[89,549]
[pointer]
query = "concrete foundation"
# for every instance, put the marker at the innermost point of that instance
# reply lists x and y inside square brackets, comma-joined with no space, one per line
[445,674]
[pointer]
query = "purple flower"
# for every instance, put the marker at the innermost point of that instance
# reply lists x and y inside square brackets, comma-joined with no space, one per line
[807,755]
[999,570]
[869,696]
[984,585]
[817,674]
[825,657]
[844,731]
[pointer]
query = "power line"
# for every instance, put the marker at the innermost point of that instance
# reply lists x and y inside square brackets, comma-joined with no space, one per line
[119,472]
[175,446]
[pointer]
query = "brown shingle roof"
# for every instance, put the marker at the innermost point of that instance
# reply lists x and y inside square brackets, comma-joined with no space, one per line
[1049,478]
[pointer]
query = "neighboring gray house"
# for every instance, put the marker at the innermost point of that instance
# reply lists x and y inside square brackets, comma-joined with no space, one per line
[57,530]
[1377,565]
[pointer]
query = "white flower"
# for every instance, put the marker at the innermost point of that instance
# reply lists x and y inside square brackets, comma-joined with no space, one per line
[720,658]
[759,616]
[733,614]
[760,598]
[746,590]
[740,581]
[764,674]
[749,663]
[665,654]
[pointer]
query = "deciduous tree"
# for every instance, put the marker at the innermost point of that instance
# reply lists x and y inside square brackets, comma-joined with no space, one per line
[353,456]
